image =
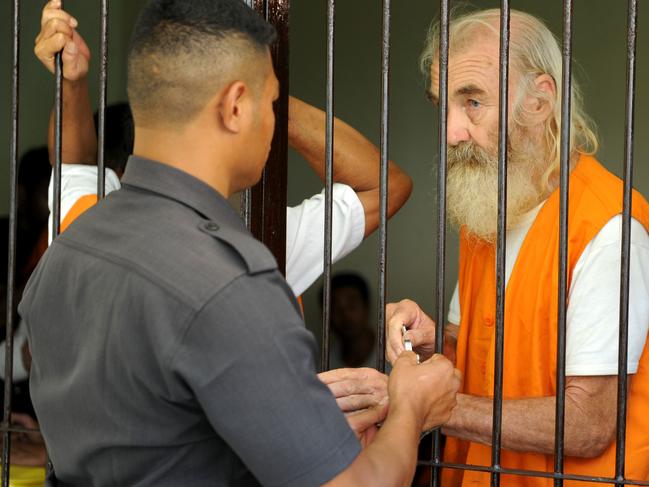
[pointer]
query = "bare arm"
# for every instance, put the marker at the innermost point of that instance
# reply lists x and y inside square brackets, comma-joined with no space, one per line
[528,424]
[58,32]
[356,160]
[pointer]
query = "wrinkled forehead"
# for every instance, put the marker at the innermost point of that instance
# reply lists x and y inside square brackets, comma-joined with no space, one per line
[476,64]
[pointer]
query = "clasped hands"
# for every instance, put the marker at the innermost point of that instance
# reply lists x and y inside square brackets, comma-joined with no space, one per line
[429,388]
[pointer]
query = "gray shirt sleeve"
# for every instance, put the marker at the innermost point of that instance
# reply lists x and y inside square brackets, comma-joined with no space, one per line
[250,362]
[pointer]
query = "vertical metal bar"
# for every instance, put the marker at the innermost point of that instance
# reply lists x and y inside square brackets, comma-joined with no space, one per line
[58,133]
[622,385]
[441,210]
[329,173]
[383,182]
[244,207]
[11,268]
[563,241]
[103,85]
[500,247]
[268,197]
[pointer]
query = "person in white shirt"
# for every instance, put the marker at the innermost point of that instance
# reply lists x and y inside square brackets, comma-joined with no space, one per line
[356,162]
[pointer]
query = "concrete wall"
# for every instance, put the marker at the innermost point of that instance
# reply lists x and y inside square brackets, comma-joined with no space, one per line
[599,49]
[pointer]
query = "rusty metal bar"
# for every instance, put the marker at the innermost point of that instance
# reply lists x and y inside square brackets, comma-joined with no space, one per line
[58,134]
[103,85]
[245,202]
[622,387]
[11,268]
[564,176]
[329,172]
[500,243]
[383,182]
[268,197]
[441,211]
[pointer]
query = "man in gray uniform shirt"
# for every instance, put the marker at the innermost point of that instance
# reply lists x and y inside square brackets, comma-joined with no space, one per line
[167,348]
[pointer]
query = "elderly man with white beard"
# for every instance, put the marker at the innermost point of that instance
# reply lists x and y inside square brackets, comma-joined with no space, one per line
[532,249]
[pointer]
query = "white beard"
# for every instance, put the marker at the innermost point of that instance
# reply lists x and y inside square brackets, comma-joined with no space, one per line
[472,187]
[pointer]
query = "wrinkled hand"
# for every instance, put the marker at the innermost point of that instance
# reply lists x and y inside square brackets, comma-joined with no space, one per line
[362,394]
[27,449]
[365,423]
[356,389]
[58,32]
[421,330]
[427,390]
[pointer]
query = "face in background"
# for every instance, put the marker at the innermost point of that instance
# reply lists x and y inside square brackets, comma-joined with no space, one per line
[472,136]
[349,311]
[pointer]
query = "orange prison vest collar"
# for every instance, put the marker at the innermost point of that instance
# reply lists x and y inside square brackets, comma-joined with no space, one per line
[531,330]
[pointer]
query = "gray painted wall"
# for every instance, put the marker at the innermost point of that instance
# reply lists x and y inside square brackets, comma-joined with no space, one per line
[599,49]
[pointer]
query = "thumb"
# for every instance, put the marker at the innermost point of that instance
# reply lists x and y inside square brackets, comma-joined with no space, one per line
[422,336]
[409,357]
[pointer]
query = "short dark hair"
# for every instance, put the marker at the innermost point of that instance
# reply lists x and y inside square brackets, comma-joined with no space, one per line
[183,51]
[119,134]
[352,280]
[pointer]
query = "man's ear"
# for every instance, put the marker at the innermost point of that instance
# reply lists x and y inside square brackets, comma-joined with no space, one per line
[540,104]
[233,106]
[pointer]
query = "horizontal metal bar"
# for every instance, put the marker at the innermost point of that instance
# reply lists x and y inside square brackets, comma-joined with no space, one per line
[531,473]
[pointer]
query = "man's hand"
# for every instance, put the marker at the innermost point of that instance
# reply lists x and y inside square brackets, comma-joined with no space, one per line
[362,394]
[428,390]
[421,330]
[58,32]
[356,389]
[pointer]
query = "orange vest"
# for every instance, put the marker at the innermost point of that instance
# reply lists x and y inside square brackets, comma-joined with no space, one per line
[531,330]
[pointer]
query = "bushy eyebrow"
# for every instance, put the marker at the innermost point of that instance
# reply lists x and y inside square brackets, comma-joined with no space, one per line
[470,90]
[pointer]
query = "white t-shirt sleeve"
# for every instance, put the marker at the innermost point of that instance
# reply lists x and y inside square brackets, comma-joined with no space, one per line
[305,234]
[594,301]
[77,180]
[454,307]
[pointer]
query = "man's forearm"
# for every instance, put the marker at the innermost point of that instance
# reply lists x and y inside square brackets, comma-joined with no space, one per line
[528,425]
[355,159]
[79,140]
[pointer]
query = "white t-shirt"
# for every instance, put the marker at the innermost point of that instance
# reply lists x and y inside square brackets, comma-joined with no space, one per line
[304,223]
[592,320]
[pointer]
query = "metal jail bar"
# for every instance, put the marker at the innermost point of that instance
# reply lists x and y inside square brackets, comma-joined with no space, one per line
[329,174]
[383,184]
[11,268]
[444,15]
[501,236]
[103,85]
[626,245]
[563,240]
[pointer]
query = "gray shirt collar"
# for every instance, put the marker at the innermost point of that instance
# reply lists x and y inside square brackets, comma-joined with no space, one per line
[180,186]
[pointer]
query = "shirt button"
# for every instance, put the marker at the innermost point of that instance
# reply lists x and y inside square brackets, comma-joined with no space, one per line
[489,322]
[211,226]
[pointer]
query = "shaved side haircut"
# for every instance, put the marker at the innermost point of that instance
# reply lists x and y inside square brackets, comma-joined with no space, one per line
[184,51]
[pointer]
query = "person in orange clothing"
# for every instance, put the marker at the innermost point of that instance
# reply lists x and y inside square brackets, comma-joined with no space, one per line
[594,236]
